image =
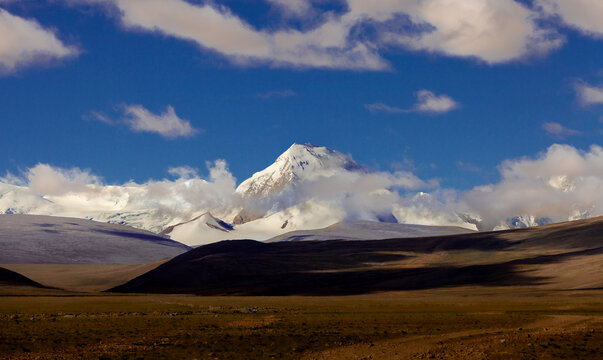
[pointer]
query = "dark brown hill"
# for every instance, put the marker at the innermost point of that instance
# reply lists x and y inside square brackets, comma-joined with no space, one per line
[541,256]
[11,278]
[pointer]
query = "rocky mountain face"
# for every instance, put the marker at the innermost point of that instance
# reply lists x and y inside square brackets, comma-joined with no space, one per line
[301,162]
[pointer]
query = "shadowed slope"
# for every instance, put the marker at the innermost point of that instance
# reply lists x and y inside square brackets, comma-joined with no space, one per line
[11,278]
[353,267]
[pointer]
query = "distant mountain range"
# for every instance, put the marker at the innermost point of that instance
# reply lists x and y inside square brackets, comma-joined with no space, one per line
[289,195]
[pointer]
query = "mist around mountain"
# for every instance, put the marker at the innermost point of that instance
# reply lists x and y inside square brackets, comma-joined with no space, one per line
[312,187]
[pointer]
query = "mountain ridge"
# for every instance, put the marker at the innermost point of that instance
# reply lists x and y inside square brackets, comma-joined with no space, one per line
[295,192]
[536,257]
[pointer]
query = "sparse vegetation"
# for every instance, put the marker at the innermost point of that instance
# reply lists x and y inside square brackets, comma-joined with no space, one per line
[491,323]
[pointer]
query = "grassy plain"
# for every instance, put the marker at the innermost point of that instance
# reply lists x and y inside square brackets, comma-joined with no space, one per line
[468,322]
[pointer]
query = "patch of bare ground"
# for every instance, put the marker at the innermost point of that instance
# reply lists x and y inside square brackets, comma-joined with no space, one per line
[555,337]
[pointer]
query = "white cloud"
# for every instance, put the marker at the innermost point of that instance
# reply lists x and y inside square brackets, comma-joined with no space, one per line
[584,15]
[427,102]
[217,28]
[24,42]
[45,179]
[562,183]
[49,190]
[558,131]
[184,172]
[589,95]
[440,208]
[293,7]
[167,124]
[492,31]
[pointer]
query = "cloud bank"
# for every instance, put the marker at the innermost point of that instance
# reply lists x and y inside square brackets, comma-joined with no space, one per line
[562,183]
[24,42]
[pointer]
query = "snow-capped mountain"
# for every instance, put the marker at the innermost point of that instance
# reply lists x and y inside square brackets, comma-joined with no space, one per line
[301,162]
[307,187]
[206,229]
[110,204]
[203,229]
[522,221]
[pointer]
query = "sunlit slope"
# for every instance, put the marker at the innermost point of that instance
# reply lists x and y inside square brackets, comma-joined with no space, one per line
[33,239]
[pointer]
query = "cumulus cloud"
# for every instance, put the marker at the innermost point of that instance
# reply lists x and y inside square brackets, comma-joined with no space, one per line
[492,31]
[24,42]
[358,194]
[427,102]
[45,179]
[166,124]
[588,94]
[438,208]
[557,130]
[184,172]
[189,193]
[584,15]
[216,28]
[560,184]
[76,192]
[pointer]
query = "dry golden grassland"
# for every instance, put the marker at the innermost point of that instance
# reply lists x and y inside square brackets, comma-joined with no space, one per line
[468,323]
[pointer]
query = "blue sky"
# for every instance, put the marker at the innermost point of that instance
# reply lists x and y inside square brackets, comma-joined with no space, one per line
[77,103]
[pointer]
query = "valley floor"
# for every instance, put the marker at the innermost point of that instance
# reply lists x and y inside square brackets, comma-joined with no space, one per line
[468,323]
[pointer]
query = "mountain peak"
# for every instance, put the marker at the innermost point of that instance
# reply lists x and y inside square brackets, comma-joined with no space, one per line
[298,163]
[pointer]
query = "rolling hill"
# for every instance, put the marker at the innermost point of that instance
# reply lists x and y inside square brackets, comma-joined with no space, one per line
[35,239]
[368,230]
[539,256]
[11,278]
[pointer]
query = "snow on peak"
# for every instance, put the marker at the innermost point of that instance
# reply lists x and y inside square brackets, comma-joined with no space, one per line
[299,163]
[563,182]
